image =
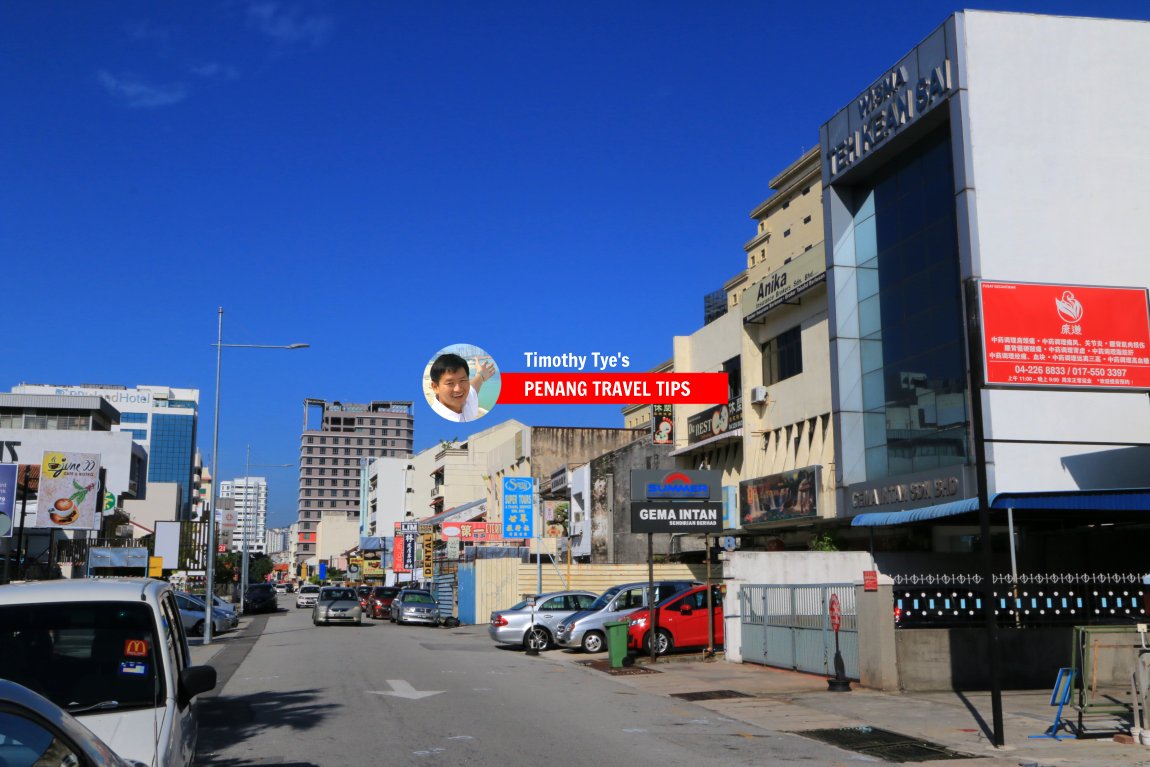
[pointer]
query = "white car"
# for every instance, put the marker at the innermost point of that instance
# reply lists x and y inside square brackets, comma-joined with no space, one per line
[307,596]
[112,653]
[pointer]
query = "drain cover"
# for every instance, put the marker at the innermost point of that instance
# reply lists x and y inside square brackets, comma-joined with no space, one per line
[605,665]
[884,744]
[710,695]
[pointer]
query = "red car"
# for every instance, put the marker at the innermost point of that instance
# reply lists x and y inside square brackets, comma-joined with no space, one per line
[682,622]
[378,604]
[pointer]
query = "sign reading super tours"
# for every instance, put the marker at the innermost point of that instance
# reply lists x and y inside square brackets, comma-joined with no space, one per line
[676,501]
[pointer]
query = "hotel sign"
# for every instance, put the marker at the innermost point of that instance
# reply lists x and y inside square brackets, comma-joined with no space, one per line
[1065,336]
[785,284]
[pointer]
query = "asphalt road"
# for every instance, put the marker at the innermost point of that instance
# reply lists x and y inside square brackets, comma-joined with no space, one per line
[293,694]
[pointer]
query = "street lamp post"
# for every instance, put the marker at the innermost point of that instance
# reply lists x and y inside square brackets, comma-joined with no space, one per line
[210,570]
[248,466]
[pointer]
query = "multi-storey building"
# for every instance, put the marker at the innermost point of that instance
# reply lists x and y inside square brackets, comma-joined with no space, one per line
[250,497]
[336,436]
[162,419]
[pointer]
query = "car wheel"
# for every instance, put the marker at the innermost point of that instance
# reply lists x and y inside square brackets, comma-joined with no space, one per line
[663,642]
[593,641]
[537,638]
[198,629]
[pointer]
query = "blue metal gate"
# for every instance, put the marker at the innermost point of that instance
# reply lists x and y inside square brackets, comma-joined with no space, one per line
[790,627]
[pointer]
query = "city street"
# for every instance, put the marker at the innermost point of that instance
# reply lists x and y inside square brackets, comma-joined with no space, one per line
[387,694]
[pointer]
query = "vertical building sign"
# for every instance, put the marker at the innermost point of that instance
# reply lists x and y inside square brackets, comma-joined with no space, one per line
[518,507]
[410,531]
[663,424]
[69,491]
[428,556]
[8,472]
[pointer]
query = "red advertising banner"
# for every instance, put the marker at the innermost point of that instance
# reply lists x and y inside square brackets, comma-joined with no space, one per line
[614,389]
[1065,336]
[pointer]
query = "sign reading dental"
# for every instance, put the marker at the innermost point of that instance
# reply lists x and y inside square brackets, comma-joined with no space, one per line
[676,501]
[1065,336]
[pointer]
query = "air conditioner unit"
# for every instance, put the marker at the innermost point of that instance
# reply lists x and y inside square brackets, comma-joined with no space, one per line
[758,395]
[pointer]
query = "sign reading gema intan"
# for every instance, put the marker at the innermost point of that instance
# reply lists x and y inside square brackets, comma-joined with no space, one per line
[670,517]
[676,501]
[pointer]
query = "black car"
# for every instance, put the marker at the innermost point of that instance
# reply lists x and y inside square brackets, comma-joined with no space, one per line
[260,598]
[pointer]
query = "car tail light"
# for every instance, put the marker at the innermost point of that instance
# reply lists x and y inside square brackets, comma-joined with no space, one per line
[498,620]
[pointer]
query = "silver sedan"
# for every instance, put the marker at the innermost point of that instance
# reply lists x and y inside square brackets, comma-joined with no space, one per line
[515,626]
[337,604]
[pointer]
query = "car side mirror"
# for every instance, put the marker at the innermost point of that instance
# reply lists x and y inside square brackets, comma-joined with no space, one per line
[195,680]
[686,610]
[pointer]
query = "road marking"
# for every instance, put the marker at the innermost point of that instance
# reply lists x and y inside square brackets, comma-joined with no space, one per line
[402,689]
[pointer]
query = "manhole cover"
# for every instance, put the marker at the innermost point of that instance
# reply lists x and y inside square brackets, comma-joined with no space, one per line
[884,744]
[710,695]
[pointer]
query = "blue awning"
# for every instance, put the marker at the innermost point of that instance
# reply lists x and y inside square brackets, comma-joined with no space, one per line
[881,518]
[1134,499]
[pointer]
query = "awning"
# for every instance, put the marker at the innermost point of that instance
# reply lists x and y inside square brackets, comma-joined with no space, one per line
[1133,499]
[732,434]
[882,518]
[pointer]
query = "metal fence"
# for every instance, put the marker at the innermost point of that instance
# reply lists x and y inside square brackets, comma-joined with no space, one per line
[790,627]
[1036,599]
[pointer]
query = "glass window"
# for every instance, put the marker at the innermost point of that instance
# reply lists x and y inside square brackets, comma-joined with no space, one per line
[133,417]
[783,356]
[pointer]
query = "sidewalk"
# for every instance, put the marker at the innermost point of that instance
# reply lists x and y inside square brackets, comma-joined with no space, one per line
[789,701]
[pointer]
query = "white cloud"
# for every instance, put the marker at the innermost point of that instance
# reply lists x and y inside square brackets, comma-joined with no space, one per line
[134,91]
[289,25]
[214,70]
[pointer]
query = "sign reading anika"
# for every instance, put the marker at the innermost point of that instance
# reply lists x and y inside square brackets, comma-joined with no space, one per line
[1065,336]
[676,501]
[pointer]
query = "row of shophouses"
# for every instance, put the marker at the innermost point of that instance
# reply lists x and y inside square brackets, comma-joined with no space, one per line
[937,355]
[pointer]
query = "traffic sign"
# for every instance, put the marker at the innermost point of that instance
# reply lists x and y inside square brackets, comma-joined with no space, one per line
[836,611]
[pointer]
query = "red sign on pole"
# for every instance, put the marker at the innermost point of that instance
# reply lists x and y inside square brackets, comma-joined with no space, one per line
[836,611]
[1065,336]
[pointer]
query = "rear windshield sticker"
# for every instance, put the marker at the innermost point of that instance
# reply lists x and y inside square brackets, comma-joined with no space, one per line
[133,668]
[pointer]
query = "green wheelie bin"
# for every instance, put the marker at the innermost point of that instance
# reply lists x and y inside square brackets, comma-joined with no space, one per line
[616,642]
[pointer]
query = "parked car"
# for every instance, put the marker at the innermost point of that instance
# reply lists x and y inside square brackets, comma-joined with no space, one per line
[338,604]
[306,596]
[260,598]
[414,606]
[114,654]
[193,611]
[515,625]
[682,622]
[36,731]
[220,603]
[379,603]
[585,629]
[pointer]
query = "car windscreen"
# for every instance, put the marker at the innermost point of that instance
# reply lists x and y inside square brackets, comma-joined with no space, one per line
[604,599]
[382,592]
[330,595]
[85,657]
[415,597]
[309,589]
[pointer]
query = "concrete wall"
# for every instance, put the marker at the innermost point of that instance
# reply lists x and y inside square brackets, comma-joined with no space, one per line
[611,539]
[956,659]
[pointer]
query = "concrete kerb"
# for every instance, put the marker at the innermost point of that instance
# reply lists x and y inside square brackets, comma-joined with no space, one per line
[789,701]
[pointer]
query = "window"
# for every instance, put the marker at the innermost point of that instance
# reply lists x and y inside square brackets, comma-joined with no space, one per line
[786,233]
[783,356]
[133,417]
[786,204]
[806,219]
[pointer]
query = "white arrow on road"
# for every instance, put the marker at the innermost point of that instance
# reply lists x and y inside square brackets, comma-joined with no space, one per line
[402,689]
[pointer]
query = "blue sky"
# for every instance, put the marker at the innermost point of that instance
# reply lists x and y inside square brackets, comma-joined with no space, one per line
[382,179]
